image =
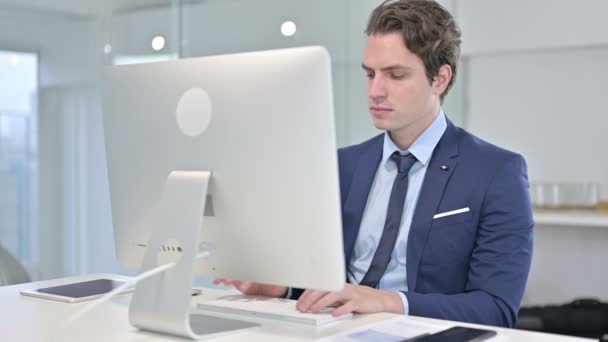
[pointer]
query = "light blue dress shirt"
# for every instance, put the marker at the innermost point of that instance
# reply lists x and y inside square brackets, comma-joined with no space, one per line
[372,222]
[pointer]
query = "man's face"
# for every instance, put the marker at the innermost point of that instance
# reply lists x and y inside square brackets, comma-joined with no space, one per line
[401,98]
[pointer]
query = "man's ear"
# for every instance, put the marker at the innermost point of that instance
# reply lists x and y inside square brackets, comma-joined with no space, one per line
[442,79]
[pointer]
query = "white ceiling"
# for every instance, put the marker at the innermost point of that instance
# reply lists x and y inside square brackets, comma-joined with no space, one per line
[73,7]
[85,8]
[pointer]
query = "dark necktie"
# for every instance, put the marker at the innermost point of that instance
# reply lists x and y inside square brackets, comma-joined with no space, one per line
[382,256]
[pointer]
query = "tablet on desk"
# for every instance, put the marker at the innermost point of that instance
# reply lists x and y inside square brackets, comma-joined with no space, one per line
[77,292]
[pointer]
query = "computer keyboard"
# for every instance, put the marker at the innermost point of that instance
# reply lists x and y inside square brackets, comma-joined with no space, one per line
[267,307]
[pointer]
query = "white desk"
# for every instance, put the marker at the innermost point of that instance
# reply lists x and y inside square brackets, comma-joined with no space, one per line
[25,318]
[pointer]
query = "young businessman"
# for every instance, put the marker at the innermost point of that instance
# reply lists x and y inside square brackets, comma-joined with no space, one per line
[436,222]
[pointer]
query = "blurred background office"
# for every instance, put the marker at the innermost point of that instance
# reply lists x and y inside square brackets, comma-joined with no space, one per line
[533,79]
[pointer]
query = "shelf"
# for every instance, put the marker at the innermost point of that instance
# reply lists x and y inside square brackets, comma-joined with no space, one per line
[579,218]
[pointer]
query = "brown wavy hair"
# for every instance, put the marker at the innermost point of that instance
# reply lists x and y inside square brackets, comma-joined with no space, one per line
[428,29]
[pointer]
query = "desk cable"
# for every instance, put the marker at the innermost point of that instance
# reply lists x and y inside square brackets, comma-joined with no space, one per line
[131,282]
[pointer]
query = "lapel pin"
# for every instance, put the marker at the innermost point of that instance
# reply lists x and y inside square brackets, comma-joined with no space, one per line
[443,167]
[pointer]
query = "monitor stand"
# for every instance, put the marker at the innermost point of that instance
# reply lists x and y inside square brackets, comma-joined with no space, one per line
[162,303]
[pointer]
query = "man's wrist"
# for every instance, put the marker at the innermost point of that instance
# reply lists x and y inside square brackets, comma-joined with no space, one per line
[392,303]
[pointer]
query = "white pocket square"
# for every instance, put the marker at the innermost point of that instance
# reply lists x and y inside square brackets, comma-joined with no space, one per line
[453,212]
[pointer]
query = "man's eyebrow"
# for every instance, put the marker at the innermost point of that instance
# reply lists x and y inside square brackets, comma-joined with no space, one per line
[388,68]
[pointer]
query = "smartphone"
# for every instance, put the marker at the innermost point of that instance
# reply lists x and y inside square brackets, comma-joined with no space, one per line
[458,334]
[77,292]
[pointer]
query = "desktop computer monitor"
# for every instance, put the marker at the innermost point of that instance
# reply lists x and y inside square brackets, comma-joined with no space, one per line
[262,123]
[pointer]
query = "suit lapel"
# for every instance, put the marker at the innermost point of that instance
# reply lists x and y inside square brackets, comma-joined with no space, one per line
[355,202]
[431,193]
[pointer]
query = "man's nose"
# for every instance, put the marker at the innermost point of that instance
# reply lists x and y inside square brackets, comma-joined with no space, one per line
[376,88]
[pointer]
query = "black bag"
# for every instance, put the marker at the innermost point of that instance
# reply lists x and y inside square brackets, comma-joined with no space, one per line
[583,317]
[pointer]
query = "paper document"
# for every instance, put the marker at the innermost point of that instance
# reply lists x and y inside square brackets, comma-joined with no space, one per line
[392,330]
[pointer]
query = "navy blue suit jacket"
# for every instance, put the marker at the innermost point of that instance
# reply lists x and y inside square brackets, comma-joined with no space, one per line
[469,267]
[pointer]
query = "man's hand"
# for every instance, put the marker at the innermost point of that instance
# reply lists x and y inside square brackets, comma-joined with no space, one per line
[352,298]
[250,288]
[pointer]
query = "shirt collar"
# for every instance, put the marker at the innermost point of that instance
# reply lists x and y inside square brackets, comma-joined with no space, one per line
[423,147]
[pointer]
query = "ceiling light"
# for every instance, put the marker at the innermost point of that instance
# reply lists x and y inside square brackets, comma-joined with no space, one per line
[158,43]
[288,28]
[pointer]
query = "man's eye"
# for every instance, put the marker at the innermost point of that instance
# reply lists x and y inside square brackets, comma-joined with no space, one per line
[369,75]
[397,76]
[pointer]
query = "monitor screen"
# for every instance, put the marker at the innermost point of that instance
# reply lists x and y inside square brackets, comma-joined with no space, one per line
[262,123]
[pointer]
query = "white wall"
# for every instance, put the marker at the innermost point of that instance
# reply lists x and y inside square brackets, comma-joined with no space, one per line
[568,263]
[547,105]
[493,26]
[536,85]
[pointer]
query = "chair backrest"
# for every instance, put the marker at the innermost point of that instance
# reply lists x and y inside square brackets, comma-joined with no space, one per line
[11,271]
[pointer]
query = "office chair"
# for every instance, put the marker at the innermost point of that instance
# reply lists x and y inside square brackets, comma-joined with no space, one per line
[11,271]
